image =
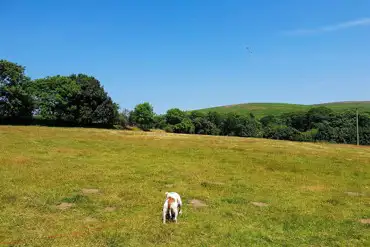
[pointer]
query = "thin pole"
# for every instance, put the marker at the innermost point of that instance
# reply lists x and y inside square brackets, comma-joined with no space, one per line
[358,137]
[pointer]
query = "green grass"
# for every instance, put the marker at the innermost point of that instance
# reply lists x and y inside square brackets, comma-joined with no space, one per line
[304,185]
[263,109]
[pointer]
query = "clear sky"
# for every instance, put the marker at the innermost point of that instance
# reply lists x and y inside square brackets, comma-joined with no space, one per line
[192,53]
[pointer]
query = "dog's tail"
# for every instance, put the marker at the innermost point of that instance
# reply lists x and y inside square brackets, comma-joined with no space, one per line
[170,201]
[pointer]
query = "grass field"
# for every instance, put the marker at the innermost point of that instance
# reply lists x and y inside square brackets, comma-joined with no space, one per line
[86,187]
[263,109]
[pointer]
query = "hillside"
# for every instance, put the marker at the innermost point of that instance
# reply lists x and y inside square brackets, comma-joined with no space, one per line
[89,187]
[263,109]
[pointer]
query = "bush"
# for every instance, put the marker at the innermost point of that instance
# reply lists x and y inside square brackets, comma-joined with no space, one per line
[175,116]
[364,136]
[307,136]
[281,132]
[186,127]
[269,121]
[160,122]
[203,126]
[239,125]
[168,128]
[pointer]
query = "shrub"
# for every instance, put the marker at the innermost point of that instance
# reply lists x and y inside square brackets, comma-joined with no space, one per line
[186,127]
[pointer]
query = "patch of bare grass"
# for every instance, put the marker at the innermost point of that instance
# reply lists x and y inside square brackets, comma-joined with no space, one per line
[65,205]
[90,191]
[110,209]
[195,203]
[314,187]
[365,221]
[351,193]
[259,204]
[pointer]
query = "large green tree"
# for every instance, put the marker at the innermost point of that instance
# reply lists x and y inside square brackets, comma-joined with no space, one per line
[15,102]
[94,105]
[175,116]
[55,97]
[205,127]
[239,125]
[319,115]
[143,116]
[77,99]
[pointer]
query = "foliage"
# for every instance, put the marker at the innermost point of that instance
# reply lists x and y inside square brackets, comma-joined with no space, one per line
[277,109]
[196,114]
[269,120]
[78,99]
[186,126]
[123,118]
[203,126]
[143,116]
[168,128]
[81,100]
[94,106]
[55,97]
[307,136]
[239,125]
[282,132]
[160,121]
[216,118]
[175,116]
[318,115]
[296,120]
[15,101]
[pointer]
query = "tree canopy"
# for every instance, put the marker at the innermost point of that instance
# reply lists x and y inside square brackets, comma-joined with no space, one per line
[143,116]
[15,102]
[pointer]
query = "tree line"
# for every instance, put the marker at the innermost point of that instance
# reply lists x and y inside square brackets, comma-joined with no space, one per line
[319,124]
[80,100]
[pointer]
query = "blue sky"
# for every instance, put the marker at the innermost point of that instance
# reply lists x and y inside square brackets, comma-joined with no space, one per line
[192,54]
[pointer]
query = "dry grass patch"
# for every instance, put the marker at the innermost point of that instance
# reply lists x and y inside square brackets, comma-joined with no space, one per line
[350,193]
[110,209]
[315,187]
[65,205]
[90,191]
[90,220]
[259,204]
[195,203]
[365,221]
[19,160]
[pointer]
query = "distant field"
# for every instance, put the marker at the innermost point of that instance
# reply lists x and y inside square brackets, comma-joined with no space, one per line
[86,187]
[263,109]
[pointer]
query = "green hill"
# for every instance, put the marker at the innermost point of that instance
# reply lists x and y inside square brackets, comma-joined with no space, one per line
[263,109]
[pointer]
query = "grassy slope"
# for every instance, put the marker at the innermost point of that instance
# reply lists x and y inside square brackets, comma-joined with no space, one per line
[303,184]
[263,109]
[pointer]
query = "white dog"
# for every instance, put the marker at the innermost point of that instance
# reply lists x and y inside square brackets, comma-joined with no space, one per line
[172,206]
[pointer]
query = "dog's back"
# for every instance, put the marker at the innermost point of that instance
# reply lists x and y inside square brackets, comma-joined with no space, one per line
[170,206]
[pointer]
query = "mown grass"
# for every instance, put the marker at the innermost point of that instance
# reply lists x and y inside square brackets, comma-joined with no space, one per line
[303,185]
[264,109]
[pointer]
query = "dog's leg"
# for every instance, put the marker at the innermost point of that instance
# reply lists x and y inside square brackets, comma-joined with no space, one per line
[180,205]
[175,214]
[164,215]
